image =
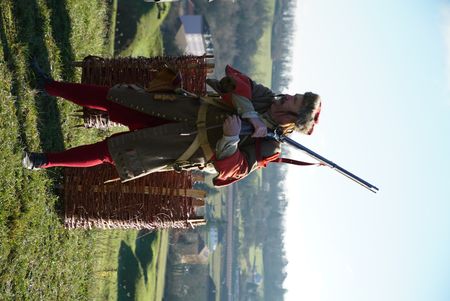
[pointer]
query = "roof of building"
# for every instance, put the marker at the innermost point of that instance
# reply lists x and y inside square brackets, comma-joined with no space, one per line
[192,23]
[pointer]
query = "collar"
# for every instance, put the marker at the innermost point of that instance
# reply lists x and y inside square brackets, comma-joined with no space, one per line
[268,121]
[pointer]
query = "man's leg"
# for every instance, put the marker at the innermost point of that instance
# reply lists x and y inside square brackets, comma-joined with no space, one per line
[94,97]
[90,96]
[81,156]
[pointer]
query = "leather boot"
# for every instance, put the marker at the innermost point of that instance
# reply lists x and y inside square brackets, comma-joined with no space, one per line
[34,161]
[42,78]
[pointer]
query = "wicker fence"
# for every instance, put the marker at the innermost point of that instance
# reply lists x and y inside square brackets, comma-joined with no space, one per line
[159,200]
[108,72]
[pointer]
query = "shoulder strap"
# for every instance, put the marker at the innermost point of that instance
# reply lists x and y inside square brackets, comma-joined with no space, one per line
[262,162]
[295,162]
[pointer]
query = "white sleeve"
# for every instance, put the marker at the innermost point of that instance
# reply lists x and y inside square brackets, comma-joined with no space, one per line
[226,146]
[243,106]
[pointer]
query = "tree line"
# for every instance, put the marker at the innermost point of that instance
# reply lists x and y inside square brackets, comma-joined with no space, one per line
[262,209]
[237,28]
[274,255]
[283,31]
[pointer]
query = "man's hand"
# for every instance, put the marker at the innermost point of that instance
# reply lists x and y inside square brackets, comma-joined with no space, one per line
[260,127]
[232,126]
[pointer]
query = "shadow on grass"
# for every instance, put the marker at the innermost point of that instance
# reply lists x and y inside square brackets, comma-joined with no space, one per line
[11,63]
[127,273]
[61,30]
[144,251]
[30,32]
[32,42]
[128,15]
[169,28]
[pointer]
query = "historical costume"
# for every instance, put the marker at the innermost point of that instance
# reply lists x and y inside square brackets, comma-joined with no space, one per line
[172,129]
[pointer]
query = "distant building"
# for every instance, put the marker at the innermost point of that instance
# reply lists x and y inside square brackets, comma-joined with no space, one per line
[194,36]
[192,248]
[257,278]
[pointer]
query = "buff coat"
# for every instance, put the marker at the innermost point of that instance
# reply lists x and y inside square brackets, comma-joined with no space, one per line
[155,149]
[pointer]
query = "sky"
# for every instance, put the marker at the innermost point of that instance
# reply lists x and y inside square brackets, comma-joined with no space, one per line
[382,70]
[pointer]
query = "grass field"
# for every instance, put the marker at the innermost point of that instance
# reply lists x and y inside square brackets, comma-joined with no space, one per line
[129,265]
[39,259]
[216,257]
[147,40]
[160,266]
[111,35]
[262,61]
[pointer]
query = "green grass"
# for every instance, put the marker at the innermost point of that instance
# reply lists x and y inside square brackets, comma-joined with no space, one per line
[257,254]
[216,258]
[130,264]
[216,268]
[160,266]
[254,255]
[39,259]
[105,269]
[147,40]
[262,60]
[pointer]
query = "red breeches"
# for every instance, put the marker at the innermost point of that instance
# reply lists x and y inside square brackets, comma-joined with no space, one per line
[81,156]
[94,97]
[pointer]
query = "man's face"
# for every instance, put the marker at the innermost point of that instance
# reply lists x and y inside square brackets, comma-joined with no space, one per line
[285,110]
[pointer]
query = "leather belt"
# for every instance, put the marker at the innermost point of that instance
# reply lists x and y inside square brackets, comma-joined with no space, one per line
[201,139]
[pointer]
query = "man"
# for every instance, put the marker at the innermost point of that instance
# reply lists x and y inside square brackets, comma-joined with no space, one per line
[178,131]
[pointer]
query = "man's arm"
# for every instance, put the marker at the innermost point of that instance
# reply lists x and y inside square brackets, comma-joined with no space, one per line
[229,162]
[228,144]
[234,163]
[246,110]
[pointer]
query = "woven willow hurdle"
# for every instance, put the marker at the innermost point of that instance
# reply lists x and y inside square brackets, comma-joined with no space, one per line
[108,72]
[162,200]
[159,200]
